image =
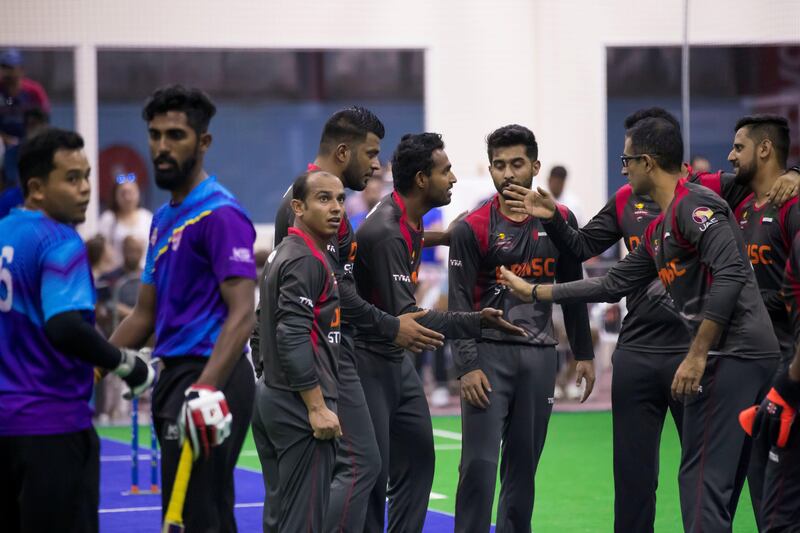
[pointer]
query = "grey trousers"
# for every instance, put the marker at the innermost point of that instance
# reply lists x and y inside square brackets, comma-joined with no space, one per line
[640,399]
[297,468]
[514,426]
[402,423]
[715,451]
[358,460]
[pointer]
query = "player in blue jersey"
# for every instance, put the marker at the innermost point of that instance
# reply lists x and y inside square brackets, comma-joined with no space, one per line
[48,346]
[197,296]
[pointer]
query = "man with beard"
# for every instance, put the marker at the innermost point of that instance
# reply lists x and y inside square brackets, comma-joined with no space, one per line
[48,346]
[295,409]
[653,339]
[507,382]
[759,154]
[695,248]
[349,148]
[386,275]
[197,295]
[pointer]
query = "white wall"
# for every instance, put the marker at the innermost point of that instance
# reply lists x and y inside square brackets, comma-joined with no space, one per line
[488,62]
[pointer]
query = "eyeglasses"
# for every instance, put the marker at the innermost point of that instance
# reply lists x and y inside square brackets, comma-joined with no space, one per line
[628,158]
[125,178]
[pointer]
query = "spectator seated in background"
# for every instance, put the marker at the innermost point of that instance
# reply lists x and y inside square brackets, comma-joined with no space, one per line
[125,218]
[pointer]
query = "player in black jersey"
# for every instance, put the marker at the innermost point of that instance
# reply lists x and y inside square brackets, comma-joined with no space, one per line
[349,148]
[390,242]
[759,154]
[653,339]
[695,249]
[773,423]
[507,382]
[294,418]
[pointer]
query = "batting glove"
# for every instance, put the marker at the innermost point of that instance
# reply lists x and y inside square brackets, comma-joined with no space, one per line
[205,419]
[135,371]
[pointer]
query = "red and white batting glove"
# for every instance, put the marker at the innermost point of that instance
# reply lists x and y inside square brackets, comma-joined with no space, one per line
[205,419]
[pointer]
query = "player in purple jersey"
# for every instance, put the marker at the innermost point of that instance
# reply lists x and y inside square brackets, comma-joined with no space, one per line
[295,421]
[49,346]
[197,296]
[507,381]
[695,249]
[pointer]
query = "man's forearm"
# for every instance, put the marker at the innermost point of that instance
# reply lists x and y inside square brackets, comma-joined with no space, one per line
[707,335]
[133,331]
[228,349]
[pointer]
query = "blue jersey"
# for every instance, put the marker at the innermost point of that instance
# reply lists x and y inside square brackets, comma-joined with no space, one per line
[195,246]
[44,271]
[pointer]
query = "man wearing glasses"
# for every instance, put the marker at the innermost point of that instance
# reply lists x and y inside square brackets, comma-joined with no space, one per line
[653,339]
[696,250]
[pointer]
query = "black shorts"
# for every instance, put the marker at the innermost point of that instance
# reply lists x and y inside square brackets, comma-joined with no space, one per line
[50,482]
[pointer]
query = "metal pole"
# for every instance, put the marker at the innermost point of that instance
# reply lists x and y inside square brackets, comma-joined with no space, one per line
[685,84]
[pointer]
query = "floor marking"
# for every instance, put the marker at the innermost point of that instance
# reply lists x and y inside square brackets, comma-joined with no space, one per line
[158,508]
[437,496]
[446,447]
[446,434]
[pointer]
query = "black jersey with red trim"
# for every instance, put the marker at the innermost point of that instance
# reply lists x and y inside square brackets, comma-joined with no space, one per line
[652,324]
[300,318]
[486,240]
[342,249]
[791,287]
[768,232]
[386,270]
[696,249]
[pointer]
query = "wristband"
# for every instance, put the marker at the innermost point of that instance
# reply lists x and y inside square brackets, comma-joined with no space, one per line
[534,297]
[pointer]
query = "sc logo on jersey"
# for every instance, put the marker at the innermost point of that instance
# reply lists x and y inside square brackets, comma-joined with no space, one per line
[704,217]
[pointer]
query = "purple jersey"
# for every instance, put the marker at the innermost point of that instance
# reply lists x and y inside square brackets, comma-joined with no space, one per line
[194,247]
[44,271]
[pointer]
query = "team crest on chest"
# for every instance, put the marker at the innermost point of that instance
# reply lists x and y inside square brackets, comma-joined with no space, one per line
[175,240]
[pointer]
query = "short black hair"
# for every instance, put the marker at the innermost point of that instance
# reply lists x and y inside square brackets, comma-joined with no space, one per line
[300,185]
[660,139]
[651,112]
[414,154]
[195,103]
[513,135]
[349,125]
[36,154]
[558,171]
[772,127]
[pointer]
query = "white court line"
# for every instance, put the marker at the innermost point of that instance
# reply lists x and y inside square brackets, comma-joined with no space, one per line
[158,508]
[446,434]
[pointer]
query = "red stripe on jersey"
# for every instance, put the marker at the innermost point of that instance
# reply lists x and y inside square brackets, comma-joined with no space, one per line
[344,227]
[680,193]
[478,221]
[564,210]
[739,208]
[782,214]
[648,233]
[318,254]
[712,181]
[621,198]
[405,228]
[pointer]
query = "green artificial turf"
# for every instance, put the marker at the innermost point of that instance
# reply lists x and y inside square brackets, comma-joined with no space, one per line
[574,483]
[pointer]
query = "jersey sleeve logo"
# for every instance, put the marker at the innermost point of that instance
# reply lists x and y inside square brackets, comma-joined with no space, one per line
[241,255]
[704,217]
